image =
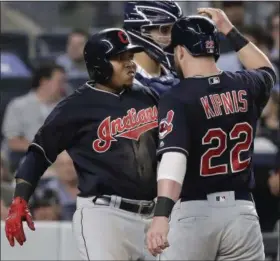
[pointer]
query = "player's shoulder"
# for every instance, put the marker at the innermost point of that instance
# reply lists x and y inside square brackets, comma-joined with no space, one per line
[248,76]
[179,90]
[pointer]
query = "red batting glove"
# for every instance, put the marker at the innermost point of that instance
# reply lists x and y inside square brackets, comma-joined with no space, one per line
[18,212]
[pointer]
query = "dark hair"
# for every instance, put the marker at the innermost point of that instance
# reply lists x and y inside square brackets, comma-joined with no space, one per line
[258,33]
[44,71]
[79,32]
[228,4]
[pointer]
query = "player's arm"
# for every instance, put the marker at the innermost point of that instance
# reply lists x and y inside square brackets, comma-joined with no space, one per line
[260,73]
[173,151]
[52,138]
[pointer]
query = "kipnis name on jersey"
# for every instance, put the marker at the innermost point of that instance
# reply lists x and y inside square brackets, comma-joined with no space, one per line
[131,126]
[216,105]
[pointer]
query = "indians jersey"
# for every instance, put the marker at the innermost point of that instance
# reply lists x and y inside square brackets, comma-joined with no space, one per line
[111,138]
[212,120]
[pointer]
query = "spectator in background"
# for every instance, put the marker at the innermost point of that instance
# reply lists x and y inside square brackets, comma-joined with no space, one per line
[4,210]
[274,179]
[44,205]
[72,60]
[7,189]
[228,60]
[64,183]
[26,114]
[235,10]
[258,36]
[273,26]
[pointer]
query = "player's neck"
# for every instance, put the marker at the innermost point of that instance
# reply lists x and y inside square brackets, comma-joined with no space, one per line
[195,68]
[148,64]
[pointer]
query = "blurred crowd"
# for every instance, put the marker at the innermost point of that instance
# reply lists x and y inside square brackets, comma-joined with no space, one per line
[56,75]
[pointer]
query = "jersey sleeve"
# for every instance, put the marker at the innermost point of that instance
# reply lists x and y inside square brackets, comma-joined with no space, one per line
[174,134]
[56,133]
[261,81]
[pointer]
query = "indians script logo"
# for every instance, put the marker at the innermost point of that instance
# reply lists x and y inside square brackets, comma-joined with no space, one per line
[165,125]
[131,126]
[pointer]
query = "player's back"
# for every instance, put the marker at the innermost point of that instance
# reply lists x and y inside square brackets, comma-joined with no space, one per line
[221,113]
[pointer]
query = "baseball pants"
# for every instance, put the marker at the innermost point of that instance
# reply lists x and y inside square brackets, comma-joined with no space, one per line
[219,228]
[109,233]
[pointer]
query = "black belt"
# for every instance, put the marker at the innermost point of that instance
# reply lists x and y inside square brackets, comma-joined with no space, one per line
[238,196]
[140,208]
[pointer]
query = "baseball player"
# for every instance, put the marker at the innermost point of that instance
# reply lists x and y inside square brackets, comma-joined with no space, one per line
[149,24]
[109,128]
[206,131]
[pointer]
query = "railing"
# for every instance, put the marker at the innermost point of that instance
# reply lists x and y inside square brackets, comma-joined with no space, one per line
[54,241]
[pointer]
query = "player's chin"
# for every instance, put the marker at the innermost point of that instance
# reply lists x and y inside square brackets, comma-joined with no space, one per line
[129,81]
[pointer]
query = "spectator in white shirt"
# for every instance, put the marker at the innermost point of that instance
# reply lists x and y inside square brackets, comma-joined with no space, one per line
[25,114]
[72,60]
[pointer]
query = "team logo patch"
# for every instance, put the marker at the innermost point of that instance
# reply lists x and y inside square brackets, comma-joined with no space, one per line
[210,46]
[165,125]
[131,126]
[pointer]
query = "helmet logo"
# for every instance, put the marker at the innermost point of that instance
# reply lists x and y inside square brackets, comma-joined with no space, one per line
[210,46]
[123,37]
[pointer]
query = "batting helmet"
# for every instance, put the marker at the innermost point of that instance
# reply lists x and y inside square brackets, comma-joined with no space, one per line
[198,34]
[101,47]
[141,16]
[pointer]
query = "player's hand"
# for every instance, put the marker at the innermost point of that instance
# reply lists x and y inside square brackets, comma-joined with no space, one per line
[18,212]
[219,17]
[157,235]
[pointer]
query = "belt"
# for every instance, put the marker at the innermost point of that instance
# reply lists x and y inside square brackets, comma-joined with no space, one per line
[139,208]
[239,195]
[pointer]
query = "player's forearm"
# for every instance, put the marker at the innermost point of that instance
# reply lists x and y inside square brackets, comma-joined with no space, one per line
[28,174]
[171,173]
[169,188]
[249,55]
[252,57]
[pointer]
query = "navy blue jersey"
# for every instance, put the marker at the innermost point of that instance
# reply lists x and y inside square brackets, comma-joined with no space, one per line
[212,120]
[112,140]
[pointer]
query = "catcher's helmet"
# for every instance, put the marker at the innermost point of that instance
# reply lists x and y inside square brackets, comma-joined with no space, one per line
[103,45]
[198,34]
[141,16]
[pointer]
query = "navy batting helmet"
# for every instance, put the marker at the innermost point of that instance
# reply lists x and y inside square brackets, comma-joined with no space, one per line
[101,47]
[142,16]
[198,34]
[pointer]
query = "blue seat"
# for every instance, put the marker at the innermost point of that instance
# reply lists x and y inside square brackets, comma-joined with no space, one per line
[13,66]
[17,43]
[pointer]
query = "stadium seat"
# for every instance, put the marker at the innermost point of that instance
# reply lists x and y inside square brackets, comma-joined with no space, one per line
[51,44]
[17,43]
[13,66]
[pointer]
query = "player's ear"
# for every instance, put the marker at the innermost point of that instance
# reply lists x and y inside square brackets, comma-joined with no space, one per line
[180,52]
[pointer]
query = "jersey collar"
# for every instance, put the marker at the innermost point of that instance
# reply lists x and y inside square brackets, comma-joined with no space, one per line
[98,90]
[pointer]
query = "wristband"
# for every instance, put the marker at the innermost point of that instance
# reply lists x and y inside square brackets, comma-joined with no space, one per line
[237,40]
[24,190]
[164,207]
